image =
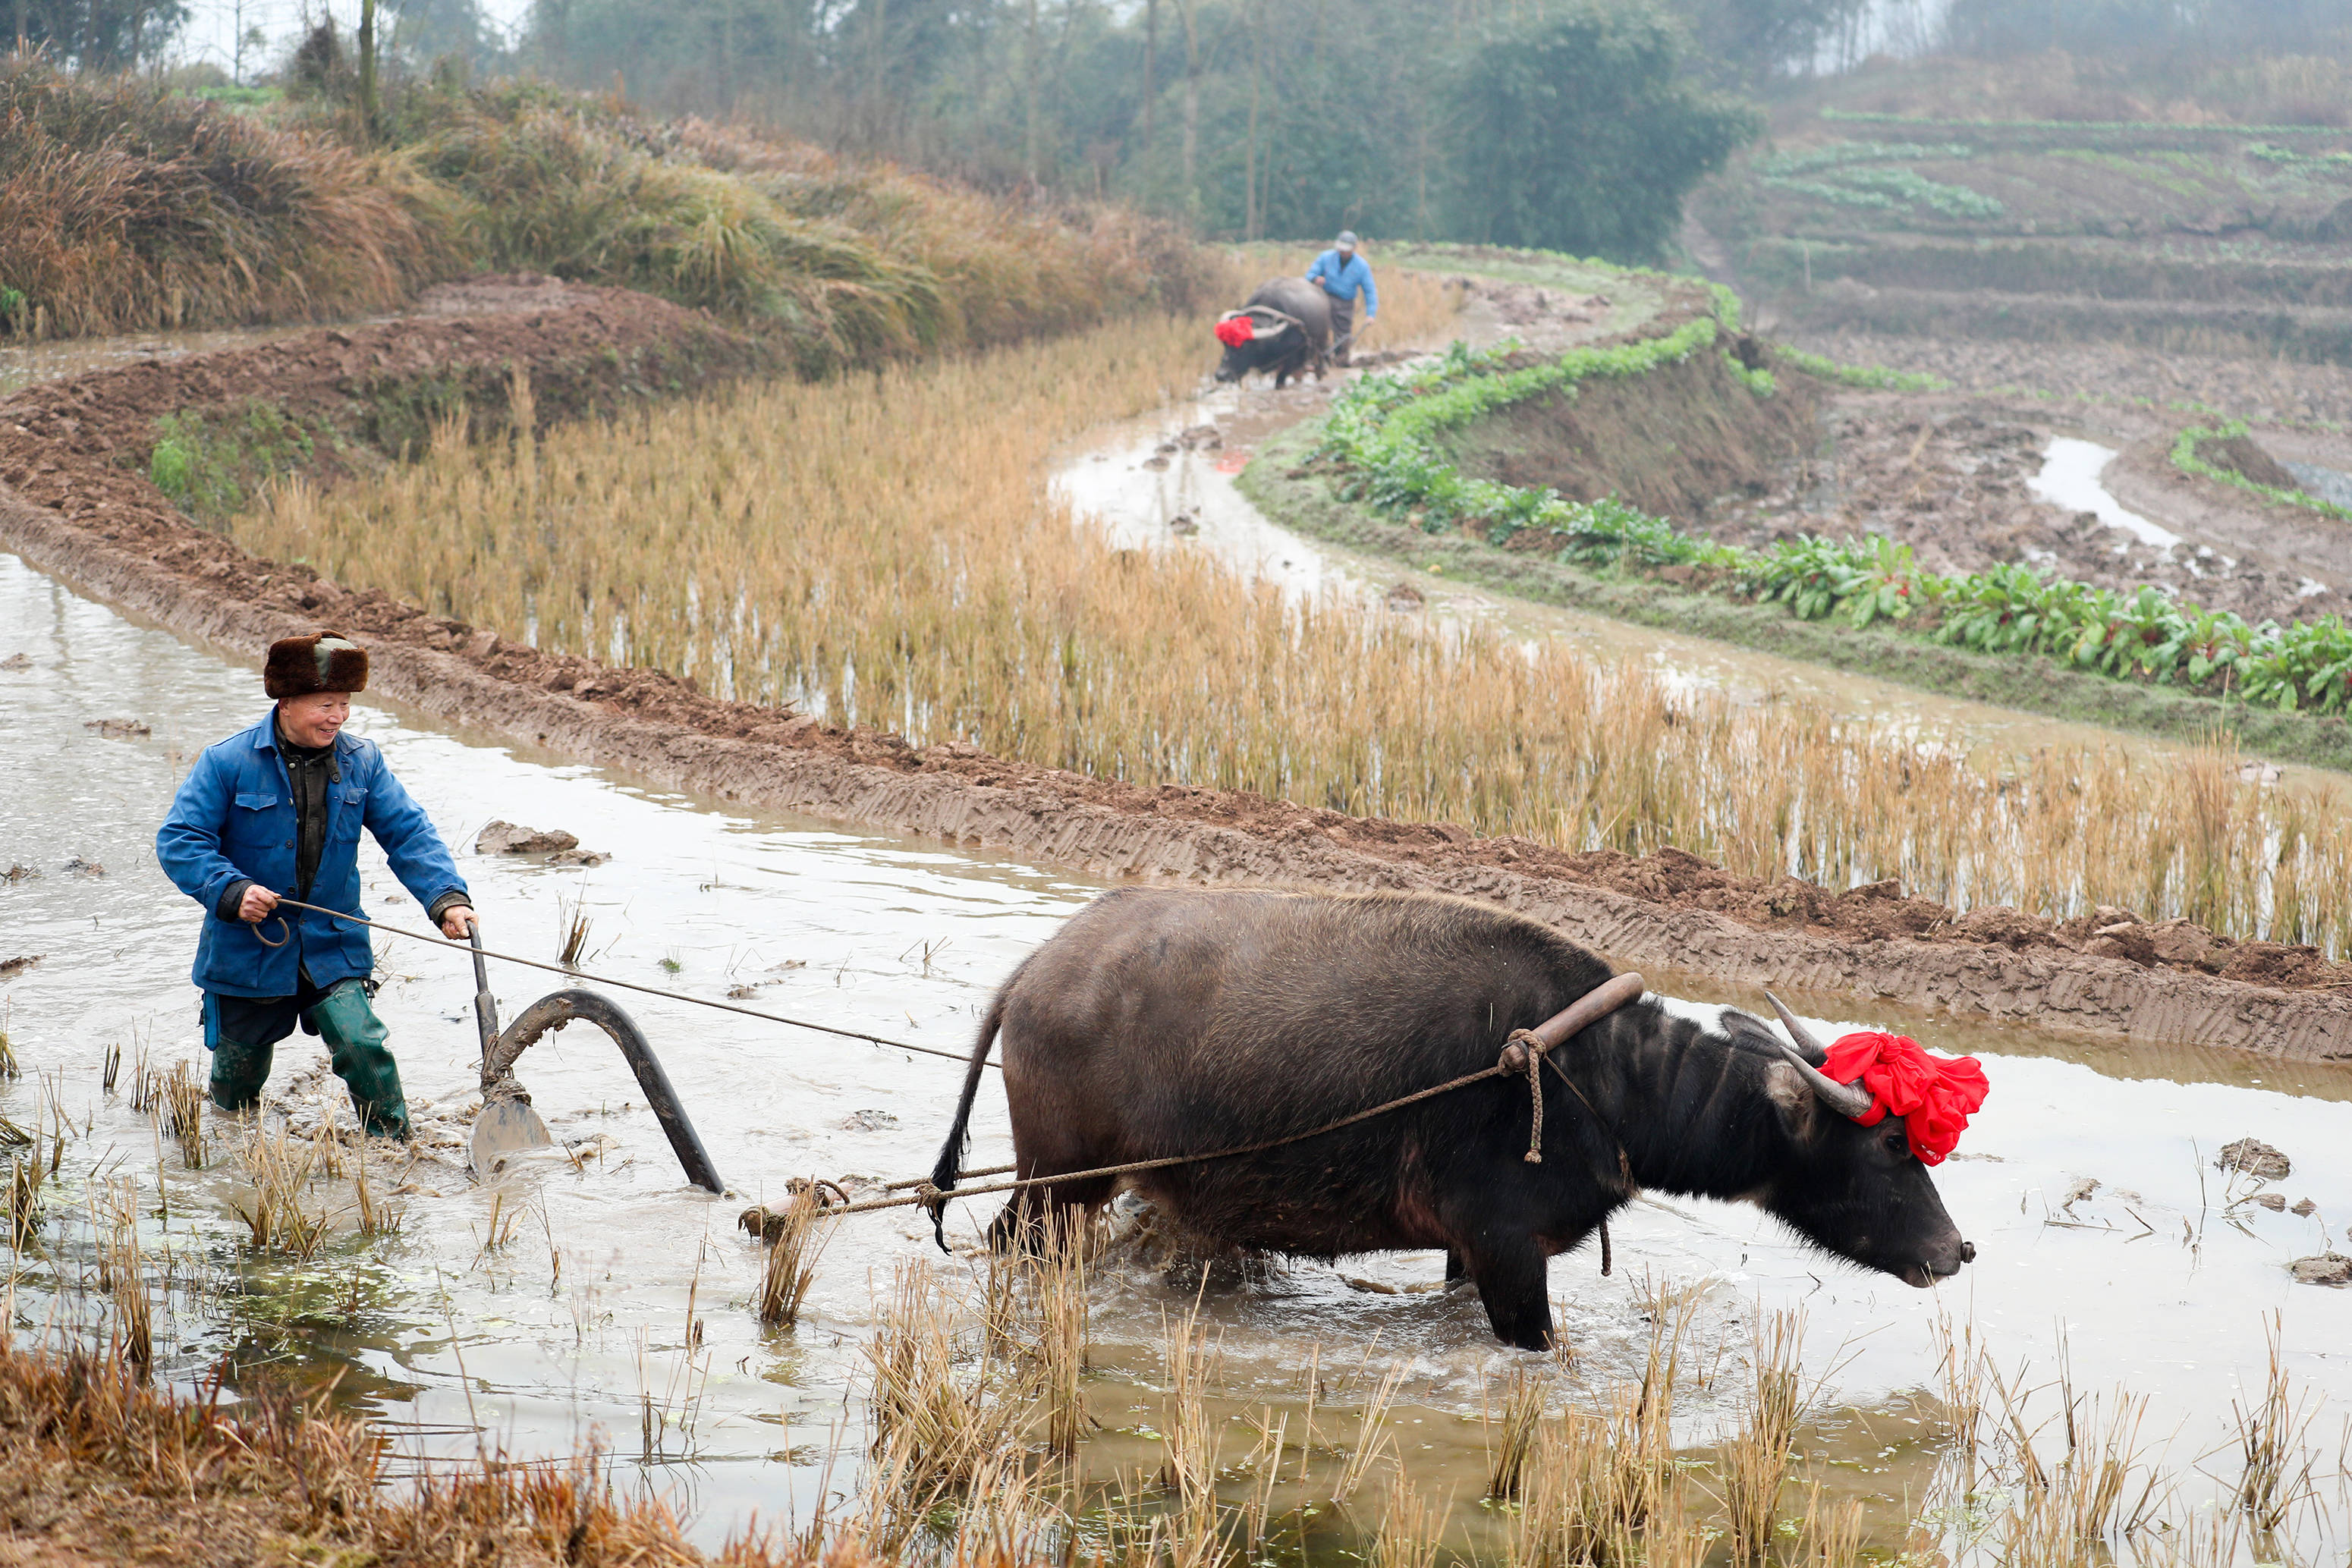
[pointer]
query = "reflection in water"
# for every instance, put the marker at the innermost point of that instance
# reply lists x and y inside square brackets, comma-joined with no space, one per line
[596,1297]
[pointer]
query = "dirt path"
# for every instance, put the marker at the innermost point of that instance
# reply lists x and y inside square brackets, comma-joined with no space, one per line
[71,505]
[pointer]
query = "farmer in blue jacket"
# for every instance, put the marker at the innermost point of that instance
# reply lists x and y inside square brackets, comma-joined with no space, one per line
[276,810]
[1342,273]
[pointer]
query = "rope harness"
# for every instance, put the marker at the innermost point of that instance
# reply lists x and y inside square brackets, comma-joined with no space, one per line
[439,940]
[1524,1052]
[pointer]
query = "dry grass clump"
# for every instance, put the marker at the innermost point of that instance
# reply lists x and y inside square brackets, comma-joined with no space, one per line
[123,208]
[882,552]
[1756,1462]
[790,1268]
[948,1400]
[184,1096]
[101,1469]
[280,1170]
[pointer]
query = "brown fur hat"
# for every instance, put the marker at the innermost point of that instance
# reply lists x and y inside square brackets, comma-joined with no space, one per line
[322,661]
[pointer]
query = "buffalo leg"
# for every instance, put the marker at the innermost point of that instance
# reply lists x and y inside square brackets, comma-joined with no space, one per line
[1509,1273]
[1455,1272]
[1021,1224]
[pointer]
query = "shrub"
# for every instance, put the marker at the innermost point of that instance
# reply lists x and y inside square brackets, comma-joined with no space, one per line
[124,207]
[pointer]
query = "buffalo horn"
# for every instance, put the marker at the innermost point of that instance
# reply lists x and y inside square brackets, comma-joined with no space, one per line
[1851,1101]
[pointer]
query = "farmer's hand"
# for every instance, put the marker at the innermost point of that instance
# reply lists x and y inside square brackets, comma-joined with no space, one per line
[254,906]
[455,921]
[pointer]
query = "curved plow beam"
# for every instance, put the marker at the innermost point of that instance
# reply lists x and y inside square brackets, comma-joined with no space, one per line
[506,1104]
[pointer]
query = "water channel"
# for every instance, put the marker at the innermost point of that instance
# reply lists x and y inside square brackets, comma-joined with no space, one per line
[596,1299]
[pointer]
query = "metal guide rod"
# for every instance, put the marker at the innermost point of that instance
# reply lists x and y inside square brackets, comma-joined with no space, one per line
[481,952]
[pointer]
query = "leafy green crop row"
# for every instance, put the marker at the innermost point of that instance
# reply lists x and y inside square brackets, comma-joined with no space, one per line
[1889,189]
[1379,432]
[1875,377]
[1808,159]
[2185,458]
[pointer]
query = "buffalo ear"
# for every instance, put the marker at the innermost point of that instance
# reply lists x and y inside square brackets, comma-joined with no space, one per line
[1793,1100]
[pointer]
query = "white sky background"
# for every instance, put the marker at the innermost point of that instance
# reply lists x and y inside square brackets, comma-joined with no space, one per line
[214,25]
[1898,27]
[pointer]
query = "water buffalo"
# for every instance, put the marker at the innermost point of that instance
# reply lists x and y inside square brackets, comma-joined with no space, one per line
[1289,323]
[1172,1021]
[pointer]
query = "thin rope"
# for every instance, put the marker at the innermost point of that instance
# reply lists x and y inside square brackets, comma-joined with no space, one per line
[438,940]
[926,1194]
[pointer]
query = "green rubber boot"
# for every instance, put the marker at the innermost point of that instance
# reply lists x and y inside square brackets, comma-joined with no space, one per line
[355,1037]
[238,1073]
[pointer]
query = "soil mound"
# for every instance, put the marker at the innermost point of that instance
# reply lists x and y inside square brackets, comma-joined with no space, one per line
[70,454]
[1670,442]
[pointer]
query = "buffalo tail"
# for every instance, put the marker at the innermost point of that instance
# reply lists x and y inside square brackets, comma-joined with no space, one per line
[951,1161]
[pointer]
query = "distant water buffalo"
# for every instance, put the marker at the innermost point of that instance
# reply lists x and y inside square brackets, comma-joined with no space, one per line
[1289,332]
[1166,1023]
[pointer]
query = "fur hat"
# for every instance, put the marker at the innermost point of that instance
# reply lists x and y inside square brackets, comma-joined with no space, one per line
[322,661]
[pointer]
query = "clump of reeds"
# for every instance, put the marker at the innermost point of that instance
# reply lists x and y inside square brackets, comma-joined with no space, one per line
[279,1171]
[794,1243]
[2274,1474]
[1564,1512]
[1057,1267]
[946,1401]
[732,539]
[122,1273]
[23,1199]
[1191,1443]
[184,1099]
[1412,1529]
[1512,1437]
[1756,1462]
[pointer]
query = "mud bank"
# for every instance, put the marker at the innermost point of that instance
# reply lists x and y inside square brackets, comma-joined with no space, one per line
[72,510]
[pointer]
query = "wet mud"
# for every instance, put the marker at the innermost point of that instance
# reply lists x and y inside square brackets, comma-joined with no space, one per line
[74,507]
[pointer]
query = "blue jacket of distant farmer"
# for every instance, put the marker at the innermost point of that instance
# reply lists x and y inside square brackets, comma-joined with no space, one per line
[233,822]
[1340,280]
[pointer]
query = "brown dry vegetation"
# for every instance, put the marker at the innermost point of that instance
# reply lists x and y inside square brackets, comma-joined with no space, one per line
[880,553]
[124,207]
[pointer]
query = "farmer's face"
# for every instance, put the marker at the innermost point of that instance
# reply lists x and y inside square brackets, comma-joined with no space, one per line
[313,719]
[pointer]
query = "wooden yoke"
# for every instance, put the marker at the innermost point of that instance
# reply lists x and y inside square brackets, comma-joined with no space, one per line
[1524,1050]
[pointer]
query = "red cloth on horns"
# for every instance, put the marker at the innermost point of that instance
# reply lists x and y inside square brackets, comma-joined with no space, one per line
[1234,332]
[1935,1095]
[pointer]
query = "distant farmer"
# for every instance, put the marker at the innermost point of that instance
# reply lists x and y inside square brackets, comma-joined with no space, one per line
[1342,272]
[276,811]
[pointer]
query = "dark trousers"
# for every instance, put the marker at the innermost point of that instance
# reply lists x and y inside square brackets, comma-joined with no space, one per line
[1343,327]
[243,1033]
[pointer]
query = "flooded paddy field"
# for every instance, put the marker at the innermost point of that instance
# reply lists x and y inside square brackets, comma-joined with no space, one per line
[591,1298]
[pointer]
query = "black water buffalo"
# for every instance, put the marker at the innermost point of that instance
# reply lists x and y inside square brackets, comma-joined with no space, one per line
[1290,331]
[1166,1021]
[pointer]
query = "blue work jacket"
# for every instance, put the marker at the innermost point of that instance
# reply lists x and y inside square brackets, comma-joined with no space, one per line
[1342,282]
[232,822]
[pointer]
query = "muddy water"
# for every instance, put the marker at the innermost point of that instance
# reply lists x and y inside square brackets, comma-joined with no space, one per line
[25,364]
[596,1298]
[2069,478]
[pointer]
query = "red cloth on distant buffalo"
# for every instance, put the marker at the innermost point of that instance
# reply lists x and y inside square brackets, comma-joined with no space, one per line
[1233,333]
[1935,1095]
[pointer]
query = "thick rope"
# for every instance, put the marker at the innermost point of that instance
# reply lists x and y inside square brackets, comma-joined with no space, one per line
[439,941]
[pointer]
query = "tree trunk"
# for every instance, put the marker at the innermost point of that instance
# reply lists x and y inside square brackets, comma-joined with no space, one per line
[1031,68]
[1150,63]
[1252,208]
[1188,10]
[367,69]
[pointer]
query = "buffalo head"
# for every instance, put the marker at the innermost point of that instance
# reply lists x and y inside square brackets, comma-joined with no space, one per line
[1258,336]
[1859,1192]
